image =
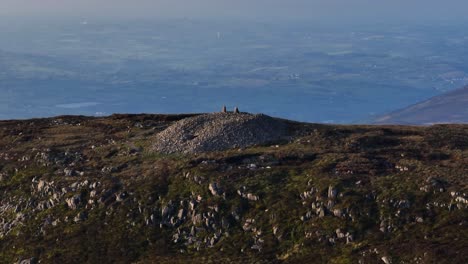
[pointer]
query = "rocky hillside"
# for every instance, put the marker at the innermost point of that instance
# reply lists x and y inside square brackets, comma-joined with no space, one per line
[449,108]
[94,190]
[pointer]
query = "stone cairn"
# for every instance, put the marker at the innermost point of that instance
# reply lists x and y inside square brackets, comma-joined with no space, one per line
[224,110]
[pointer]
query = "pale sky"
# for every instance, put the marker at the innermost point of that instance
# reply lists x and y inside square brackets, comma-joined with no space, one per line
[282,9]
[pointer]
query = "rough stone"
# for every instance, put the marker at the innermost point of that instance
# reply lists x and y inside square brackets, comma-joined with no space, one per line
[215,189]
[219,131]
[332,192]
[28,261]
[252,197]
[73,202]
[386,260]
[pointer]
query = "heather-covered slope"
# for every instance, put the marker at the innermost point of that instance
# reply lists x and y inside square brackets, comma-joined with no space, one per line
[92,190]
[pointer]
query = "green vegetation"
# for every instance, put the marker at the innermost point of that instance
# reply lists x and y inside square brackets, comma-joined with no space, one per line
[95,193]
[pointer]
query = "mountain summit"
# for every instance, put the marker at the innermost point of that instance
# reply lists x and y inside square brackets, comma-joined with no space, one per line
[219,131]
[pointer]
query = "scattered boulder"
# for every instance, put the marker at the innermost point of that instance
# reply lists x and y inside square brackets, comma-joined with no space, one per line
[80,217]
[332,192]
[69,172]
[252,197]
[338,212]
[73,202]
[215,189]
[386,260]
[28,261]
[121,196]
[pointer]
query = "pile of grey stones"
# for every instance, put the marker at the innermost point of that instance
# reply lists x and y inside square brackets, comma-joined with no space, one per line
[218,132]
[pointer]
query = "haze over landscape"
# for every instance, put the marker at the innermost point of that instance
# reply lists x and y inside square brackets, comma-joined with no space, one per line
[331,10]
[320,61]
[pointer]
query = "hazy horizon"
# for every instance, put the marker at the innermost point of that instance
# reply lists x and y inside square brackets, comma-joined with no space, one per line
[334,10]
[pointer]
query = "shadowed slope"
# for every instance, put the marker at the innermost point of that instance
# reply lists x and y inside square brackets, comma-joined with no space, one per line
[451,107]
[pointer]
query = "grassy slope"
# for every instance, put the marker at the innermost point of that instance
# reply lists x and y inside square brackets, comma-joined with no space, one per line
[361,162]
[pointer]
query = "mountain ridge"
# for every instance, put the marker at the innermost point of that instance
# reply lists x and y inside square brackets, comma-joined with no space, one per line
[451,107]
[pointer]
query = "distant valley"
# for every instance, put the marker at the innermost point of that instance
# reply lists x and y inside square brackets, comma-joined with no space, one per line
[296,71]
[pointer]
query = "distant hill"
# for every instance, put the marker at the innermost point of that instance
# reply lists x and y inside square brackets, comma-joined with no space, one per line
[451,107]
